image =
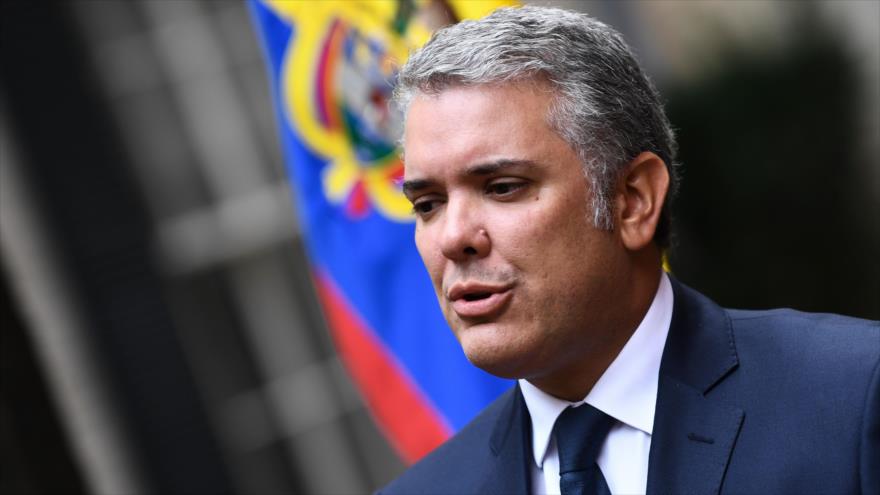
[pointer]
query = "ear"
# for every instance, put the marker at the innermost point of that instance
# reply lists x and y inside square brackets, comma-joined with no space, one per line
[641,192]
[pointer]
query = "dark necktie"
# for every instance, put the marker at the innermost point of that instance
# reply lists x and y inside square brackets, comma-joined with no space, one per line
[580,433]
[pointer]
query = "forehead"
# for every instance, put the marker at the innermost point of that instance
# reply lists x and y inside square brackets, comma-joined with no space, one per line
[467,125]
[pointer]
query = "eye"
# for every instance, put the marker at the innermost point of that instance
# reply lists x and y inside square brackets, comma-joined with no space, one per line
[504,188]
[425,206]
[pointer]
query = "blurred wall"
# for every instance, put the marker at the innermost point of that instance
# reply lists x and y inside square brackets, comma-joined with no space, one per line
[157,308]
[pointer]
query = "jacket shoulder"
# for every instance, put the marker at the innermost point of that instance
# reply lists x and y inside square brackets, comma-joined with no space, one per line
[799,352]
[805,367]
[820,339]
[804,319]
[453,466]
[810,387]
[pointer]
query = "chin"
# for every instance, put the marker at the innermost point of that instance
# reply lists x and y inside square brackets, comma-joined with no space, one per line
[491,351]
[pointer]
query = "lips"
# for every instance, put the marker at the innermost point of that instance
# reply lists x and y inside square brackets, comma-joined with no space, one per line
[476,300]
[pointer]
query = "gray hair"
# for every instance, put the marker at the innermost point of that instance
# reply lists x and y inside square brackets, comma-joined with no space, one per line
[606,108]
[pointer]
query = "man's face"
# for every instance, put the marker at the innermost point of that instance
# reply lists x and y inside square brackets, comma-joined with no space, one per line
[504,228]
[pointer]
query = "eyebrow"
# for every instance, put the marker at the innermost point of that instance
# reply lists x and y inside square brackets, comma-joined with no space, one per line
[414,185]
[497,166]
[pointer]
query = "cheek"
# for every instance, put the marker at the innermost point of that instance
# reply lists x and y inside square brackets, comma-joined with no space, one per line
[430,253]
[545,229]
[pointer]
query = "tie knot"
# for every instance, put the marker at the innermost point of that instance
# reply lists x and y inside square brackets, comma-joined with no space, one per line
[580,432]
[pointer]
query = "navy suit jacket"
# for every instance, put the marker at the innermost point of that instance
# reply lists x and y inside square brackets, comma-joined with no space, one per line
[748,402]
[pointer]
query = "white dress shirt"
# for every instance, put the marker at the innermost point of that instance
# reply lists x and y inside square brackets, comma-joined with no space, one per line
[627,391]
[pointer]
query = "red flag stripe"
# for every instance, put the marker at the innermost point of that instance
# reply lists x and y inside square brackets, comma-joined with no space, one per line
[399,407]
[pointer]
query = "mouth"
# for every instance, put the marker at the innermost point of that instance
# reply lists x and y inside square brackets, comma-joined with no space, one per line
[472,300]
[476,296]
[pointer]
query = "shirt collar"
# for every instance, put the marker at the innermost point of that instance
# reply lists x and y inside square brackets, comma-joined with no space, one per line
[626,391]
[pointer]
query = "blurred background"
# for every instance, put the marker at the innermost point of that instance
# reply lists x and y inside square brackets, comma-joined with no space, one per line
[159,330]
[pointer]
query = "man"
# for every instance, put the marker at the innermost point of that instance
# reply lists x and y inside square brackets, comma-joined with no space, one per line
[539,163]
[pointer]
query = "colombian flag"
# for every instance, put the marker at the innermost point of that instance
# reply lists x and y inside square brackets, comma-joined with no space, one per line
[332,66]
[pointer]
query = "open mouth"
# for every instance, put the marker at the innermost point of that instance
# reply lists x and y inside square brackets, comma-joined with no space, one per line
[476,296]
[481,303]
[476,300]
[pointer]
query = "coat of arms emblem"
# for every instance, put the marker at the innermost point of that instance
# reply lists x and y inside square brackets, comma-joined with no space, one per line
[338,74]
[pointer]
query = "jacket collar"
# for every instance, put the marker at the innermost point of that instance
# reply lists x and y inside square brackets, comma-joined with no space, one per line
[694,433]
[700,350]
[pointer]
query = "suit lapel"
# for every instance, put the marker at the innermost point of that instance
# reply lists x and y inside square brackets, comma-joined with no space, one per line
[692,441]
[694,434]
[508,472]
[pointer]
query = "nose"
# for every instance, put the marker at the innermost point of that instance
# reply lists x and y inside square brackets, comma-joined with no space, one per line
[463,235]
